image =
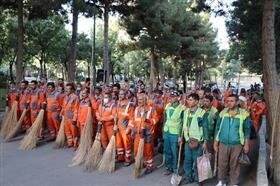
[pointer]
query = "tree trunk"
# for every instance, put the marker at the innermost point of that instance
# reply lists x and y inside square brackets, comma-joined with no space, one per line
[19,61]
[106,65]
[270,79]
[153,78]
[73,47]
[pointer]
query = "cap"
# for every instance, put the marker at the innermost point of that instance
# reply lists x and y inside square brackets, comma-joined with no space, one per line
[242,98]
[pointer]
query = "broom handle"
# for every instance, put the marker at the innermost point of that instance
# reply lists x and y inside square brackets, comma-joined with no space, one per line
[180,150]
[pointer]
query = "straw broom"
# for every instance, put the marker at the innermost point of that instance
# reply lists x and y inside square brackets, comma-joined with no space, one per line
[107,163]
[60,138]
[85,142]
[5,113]
[10,120]
[95,152]
[139,156]
[29,141]
[17,127]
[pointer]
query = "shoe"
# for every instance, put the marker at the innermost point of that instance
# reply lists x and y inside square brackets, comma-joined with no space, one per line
[167,172]
[220,183]
[148,171]
[185,182]
[126,164]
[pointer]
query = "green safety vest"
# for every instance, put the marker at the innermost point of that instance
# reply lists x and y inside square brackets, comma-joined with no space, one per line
[193,130]
[242,115]
[173,122]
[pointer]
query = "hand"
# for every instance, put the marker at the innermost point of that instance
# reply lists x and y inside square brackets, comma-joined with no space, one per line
[25,105]
[115,128]
[246,148]
[127,131]
[216,146]
[204,147]
[180,140]
[74,123]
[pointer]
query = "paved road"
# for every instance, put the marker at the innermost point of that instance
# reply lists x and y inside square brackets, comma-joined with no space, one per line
[45,166]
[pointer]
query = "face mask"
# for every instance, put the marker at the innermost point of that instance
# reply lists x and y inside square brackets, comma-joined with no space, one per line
[105,100]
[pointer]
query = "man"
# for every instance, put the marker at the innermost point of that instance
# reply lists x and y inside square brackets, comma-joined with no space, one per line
[173,121]
[54,106]
[70,110]
[143,120]
[106,115]
[24,100]
[125,110]
[12,95]
[257,110]
[83,109]
[232,137]
[195,129]
[96,100]
[211,114]
[201,94]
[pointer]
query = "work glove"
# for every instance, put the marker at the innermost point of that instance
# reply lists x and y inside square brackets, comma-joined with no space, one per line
[57,117]
[25,105]
[44,106]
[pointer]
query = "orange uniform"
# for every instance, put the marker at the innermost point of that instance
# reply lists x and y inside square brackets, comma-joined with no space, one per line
[217,104]
[37,97]
[106,114]
[95,103]
[12,96]
[83,113]
[257,109]
[24,100]
[159,105]
[70,113]
[144,120]
[125,110]
[54,106]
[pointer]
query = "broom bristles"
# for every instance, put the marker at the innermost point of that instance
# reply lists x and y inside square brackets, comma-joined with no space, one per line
[94,154]
[139,159]
[17,127]
[10,120]
[60,138]
[85,141]
[107,163]
[30,140]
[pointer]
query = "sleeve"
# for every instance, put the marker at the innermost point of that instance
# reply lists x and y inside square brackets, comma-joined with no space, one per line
[247,128]
[75,109]
[205,127]
[217,128]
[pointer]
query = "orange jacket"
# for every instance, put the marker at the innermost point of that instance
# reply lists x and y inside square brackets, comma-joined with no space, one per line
[257,109]
[54,101]
[83,111]
[12,96]
[37,97]
[124,112]
[106,113]
[70,107]
[147,119]
[24,99]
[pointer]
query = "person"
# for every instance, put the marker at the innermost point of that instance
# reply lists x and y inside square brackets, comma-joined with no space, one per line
[83,109]
[231,138]
[54,106]
[12,94]
[24,100]
[70,111]
[195,130]
[257,108]
[106,114]
[144,118]
[173,121]
[125,110]
[211,114]
[96,100]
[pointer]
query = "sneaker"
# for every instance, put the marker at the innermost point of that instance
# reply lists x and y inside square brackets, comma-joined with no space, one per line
[167,172]
[220,183]
[126,164]
[148,171]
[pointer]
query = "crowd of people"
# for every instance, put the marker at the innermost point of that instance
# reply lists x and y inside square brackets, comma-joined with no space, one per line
[204,120]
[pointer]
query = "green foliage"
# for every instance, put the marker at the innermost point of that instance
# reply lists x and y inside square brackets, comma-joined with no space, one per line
[244,28]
